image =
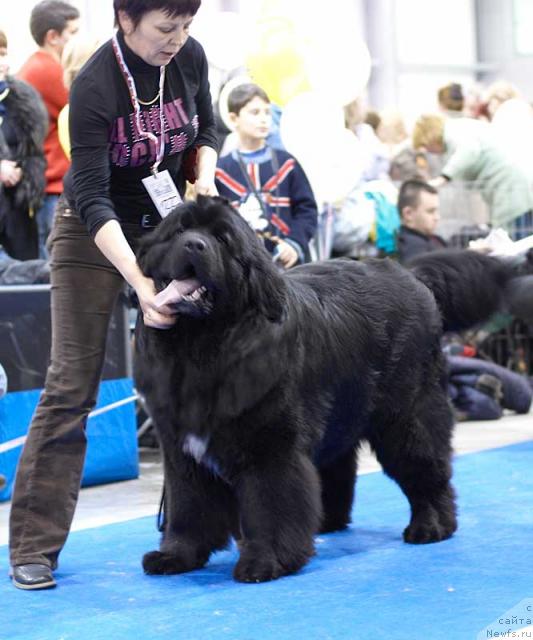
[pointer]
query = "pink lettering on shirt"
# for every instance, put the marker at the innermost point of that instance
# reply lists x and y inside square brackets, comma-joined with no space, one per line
[120,155]
[118,132]
[140,154]
[178,143]
[183,114]
[172,116]
[128,148]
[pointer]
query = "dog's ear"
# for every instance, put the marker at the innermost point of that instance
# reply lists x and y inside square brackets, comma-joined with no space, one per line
[218,201]
[268,292]
[144,247]
[149,256]
[151,249]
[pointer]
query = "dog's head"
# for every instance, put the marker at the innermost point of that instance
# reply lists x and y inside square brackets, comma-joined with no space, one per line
[216,261]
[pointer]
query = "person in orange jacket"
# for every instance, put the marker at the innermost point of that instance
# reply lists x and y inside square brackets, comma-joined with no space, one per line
[52,24]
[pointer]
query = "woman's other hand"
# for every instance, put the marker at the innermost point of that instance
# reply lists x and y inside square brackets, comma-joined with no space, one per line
[205,187]
[205,172]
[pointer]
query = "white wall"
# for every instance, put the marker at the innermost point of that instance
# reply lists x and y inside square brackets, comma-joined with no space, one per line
[505,42]
[418,46]
[434,32]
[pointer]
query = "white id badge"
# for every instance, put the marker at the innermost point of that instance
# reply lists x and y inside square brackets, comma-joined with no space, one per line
[163,192]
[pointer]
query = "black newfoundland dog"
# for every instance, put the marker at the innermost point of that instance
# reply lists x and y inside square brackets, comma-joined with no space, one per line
[268,382]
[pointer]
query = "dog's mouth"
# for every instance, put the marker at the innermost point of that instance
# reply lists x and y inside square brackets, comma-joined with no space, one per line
[186,295]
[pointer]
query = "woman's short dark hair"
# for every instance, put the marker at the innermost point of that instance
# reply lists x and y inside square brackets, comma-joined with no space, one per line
[50,14]
[137,8]
[242,94]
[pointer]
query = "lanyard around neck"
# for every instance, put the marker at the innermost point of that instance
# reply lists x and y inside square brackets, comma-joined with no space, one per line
[130,83]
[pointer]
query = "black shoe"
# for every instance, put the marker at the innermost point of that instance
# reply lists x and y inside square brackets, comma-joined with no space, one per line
[32,576]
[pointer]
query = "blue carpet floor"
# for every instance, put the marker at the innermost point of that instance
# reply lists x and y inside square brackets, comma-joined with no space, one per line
[363,583]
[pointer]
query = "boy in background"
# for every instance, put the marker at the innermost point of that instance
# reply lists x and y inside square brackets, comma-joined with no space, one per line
[418,206]
[267,186]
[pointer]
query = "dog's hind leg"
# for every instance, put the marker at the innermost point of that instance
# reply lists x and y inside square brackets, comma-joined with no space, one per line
[200,513]
[418,457]
[279,508]
[337,480]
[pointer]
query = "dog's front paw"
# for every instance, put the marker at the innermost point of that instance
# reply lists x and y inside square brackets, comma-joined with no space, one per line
[332,525]
[160,563]
[425,532]
[250,569]
[430,525]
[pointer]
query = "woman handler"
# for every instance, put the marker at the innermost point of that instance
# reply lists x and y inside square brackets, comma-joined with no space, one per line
[138,108]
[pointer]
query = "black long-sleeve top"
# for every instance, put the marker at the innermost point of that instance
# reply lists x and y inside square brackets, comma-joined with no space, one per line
[109,158]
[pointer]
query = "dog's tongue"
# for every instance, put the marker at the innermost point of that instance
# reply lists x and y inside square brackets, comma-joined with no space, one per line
[175,291]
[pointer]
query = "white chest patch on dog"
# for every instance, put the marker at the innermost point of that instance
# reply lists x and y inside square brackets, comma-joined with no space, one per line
[196,447]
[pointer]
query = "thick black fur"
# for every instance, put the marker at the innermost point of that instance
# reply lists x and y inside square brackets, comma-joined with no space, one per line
[282,376]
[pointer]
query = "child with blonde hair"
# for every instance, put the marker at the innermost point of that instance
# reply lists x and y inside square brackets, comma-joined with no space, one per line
[75,54]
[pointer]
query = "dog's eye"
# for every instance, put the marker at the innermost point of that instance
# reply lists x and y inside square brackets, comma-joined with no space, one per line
[223,238]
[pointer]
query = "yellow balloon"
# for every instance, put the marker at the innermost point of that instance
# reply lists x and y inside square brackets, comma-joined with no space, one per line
[275,63]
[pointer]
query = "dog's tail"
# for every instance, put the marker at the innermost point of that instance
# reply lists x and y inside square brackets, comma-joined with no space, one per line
[470,287]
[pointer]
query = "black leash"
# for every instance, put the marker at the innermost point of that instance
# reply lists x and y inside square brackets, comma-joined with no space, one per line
[161,521]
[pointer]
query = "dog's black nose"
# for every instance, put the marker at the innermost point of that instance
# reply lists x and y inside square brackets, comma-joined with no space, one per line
[195,244]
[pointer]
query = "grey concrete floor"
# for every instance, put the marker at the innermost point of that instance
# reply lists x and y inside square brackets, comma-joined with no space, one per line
[122,501]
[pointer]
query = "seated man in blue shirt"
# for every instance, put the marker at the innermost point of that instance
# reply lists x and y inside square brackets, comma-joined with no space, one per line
[418,206]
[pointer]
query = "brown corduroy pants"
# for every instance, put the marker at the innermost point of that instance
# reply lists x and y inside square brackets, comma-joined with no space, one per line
[84,288]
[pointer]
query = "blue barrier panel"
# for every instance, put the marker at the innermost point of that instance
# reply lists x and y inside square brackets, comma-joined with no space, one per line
[112,452]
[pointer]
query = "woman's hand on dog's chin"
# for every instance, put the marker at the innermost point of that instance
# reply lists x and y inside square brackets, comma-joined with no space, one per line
[162,317]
